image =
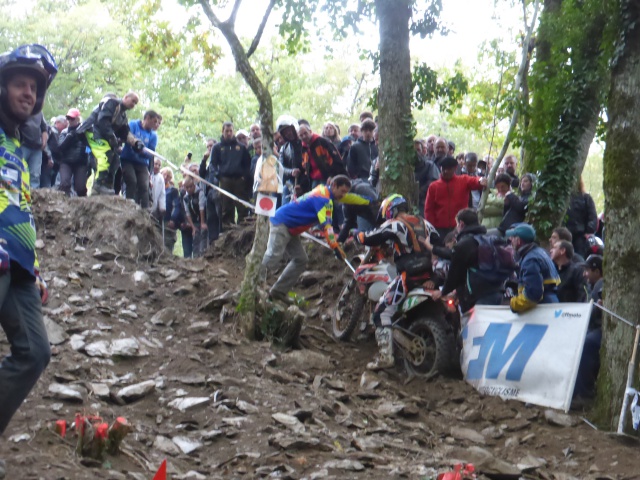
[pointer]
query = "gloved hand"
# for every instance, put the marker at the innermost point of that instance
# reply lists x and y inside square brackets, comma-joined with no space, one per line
[339,253]
[5,261]
[42,287]
[138,146]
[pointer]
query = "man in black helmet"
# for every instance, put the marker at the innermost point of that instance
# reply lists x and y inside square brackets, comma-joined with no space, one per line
[25,75]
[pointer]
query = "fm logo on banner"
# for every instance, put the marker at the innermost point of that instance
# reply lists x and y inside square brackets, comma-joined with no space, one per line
[266,204]
[532,357]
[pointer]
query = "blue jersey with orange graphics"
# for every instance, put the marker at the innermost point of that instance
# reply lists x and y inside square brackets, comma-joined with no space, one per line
[17,228]
[313,208]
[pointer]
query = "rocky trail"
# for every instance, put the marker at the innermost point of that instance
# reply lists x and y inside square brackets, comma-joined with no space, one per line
[151,338]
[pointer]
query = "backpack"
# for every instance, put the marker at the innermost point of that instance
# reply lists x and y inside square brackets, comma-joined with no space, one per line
[496,263]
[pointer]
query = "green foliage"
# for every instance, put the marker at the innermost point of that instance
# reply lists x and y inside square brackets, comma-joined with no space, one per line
[569,84]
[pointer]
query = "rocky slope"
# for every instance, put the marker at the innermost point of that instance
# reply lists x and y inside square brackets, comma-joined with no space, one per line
[141,334]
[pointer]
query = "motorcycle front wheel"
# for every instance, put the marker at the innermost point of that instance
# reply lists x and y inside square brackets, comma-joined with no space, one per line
[432,348]
[347,312]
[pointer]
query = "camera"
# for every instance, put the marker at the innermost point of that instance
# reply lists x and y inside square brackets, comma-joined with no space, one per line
[189,155]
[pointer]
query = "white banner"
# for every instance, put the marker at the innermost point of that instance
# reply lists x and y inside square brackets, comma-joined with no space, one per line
[532,357]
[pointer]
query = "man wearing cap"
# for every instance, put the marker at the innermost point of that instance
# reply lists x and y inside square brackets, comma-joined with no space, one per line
[448,195]
[230,165]
[590,361]
[74,159]
[25,76]
[538,278]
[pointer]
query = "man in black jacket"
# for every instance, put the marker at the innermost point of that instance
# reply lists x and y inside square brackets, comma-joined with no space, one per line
[464,277]
[362,152]
[230,165]
[73,157]
[572,286]
[105,129]
[296,182]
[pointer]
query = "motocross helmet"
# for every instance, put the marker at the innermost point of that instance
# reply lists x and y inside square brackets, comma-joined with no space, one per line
[596,246]
[391,206]
[33,59]
[285,121]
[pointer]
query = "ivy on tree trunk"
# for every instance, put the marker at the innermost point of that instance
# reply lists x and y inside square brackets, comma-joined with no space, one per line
[622,197]
[396,127]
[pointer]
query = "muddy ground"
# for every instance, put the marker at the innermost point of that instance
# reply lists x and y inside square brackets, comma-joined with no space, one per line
[121,314]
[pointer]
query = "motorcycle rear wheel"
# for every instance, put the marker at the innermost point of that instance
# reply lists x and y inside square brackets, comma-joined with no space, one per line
[433,348]
[347,312]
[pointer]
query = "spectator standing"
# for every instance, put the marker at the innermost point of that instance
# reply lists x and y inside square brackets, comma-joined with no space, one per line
[74,160]
[296,183]
[471,169]
[173,211]
[581,219]
[194,204]
[51,164]
[105,129]
[590,361]
[516,207]
[441,147]
[33,140]
[448,195]
[158,201]
[354,133]
[213,208]
[498,203]
[25,76]
[362,152]
[324,160]
[331,132]
[136,164]
[230,164]
[510,164]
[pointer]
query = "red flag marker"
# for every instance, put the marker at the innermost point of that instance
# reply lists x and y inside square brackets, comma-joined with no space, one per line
[161,474]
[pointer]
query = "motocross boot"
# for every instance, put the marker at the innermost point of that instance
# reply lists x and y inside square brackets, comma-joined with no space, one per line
[384,359]
[101,185]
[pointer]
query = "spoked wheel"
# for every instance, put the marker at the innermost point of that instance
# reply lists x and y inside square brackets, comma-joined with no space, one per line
[431,348]
[348,311]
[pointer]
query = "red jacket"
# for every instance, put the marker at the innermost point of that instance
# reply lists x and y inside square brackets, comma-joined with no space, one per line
[446,199]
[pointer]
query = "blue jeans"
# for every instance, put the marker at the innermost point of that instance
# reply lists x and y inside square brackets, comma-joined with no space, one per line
[21,319]
[33,157]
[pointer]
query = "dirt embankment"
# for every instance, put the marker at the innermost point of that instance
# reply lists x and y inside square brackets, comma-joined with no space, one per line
[123,314]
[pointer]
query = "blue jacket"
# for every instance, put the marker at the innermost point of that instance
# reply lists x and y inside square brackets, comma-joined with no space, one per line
[538,279]
[148,137]
[174,211]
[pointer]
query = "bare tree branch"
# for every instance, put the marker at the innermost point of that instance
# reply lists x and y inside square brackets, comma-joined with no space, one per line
[234,13]
[213,18]
[263,23]
[522,71]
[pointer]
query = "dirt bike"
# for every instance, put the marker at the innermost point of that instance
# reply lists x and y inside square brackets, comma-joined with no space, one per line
[424,338]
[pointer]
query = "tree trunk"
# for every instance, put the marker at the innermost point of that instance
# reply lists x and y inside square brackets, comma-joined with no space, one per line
[396,127]
[543,43]
[572,103]
[248,292]
[622,194]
